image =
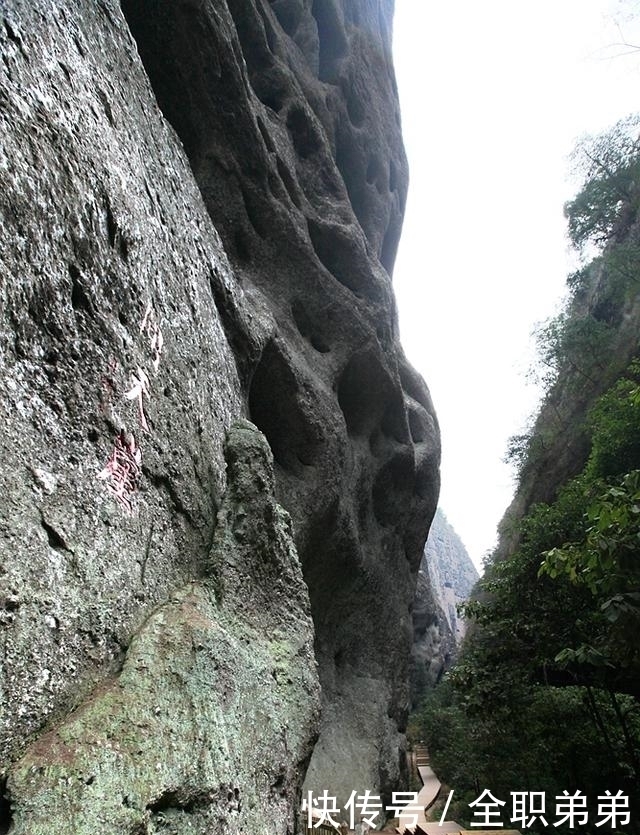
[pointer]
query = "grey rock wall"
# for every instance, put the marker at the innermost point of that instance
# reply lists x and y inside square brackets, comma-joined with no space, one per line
[200,204]
[434,643]
[102,229]
[208,725]
[451,571]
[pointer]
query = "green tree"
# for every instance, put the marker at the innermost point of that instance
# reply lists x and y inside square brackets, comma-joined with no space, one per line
[573,345]
[609,164]
[546,693]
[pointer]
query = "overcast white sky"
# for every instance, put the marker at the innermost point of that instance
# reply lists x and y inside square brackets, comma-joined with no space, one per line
[494,94]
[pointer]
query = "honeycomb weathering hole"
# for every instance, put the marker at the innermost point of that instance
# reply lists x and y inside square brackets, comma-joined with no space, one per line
[306,327]
[332,38]
[276,407]
[338,253]
[392,488]
[304,133]
[361,393]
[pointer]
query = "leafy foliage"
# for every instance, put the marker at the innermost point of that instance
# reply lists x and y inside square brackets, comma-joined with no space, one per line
[609,198]
[546,694]
[572,344]
[577,347]
[614,421]
[540,738]
[605,557]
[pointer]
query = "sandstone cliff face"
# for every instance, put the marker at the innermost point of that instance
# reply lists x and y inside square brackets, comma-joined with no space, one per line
[200,204]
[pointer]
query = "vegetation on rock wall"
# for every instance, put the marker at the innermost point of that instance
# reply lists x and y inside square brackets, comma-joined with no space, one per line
[546,695]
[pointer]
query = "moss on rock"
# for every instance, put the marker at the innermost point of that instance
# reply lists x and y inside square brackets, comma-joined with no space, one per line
[210,723]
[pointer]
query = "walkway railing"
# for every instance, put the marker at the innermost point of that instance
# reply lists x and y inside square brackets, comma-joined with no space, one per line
[323,827]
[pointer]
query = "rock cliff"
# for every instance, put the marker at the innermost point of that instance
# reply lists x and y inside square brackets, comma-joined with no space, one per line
[200,203]
[445,579]
[450,570]
[604,310]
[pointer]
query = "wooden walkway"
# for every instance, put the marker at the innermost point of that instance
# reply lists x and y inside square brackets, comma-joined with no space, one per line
[430,784]
[426,798]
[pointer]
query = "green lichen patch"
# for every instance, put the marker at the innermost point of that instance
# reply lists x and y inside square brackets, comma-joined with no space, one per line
[209,724]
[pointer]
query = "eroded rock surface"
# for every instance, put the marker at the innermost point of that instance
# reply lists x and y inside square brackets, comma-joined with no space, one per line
[223,673]
[105,245]
[200,205]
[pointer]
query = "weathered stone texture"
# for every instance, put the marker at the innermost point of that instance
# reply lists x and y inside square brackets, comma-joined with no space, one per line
[100,218]
[293,135]
[208,726]
[201,201]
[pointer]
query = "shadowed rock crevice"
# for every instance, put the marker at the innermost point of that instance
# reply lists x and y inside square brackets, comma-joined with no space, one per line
[244,343]
[303,131]
[333,44]
[148,25]
[309,327]
[6,815]
[289,183]
[172,801]
[357,395]
[391,480]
